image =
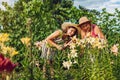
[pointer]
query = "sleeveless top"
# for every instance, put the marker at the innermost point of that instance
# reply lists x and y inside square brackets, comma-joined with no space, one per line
[48,51]
[59,39]
[93,31]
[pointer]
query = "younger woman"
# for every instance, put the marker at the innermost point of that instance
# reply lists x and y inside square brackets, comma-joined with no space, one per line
[57,40]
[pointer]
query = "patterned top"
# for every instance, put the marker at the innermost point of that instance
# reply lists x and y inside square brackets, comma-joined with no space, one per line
[48,51]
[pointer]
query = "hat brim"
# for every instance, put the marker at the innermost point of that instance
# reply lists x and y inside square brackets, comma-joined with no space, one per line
[65,26]
[83,23]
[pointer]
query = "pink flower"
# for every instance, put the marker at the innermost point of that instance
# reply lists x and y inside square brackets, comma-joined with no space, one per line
[114,49]
[1,62]
[6,64]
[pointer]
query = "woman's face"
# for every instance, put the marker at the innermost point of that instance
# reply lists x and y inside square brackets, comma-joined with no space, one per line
[85,27]
[71,31]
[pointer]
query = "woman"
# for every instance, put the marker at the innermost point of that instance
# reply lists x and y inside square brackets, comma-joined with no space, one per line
[57,40]
[86,27]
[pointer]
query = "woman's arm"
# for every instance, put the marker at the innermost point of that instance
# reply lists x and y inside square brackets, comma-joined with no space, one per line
[99,32]
[52,37]
[66,44]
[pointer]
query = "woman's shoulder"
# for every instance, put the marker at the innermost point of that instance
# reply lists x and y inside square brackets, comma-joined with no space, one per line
[55,34]
[95,27]
[59,31]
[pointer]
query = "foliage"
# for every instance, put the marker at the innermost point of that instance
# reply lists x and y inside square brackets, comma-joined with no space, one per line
[37,19]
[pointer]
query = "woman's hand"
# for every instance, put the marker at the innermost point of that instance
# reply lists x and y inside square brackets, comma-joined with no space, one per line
[59,47]
[67,44]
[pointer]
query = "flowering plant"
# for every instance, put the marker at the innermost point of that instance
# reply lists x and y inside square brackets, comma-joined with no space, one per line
[114,49]
[82,44]
[6,54]
[25,41]
[8,51]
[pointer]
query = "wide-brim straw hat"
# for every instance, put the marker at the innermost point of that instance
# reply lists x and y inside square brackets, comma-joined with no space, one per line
[83,20]
[66,25]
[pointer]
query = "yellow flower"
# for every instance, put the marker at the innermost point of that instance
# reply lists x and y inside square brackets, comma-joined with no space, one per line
[4,37]
[67,64]
[4,49]
[91,40]
[14,53]
[88,35]
[82,41]
[99,43]
[78,42]
[74,39]
[96,44]
[72,45]
[9,50]
[25,41]
[114,49]
[73,50]
[73,53]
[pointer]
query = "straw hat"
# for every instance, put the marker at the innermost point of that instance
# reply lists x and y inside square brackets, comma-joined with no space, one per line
[83,20]
[66,25]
